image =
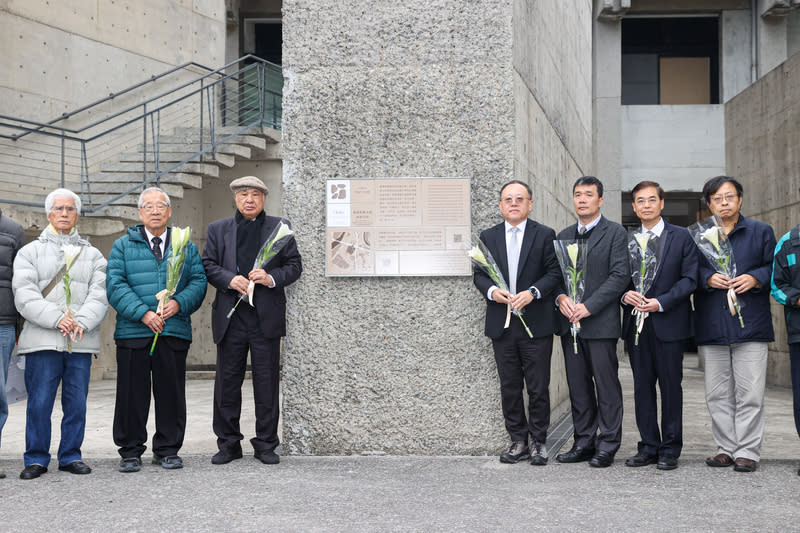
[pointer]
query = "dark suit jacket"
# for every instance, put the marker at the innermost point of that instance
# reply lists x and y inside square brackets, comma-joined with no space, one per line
[537,267]
[675,281]
[606,277]
[219,259]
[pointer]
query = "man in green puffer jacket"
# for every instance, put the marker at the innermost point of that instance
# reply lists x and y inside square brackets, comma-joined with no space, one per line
[137,272]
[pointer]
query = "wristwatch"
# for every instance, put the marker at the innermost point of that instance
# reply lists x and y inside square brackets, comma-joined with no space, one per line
[532,290]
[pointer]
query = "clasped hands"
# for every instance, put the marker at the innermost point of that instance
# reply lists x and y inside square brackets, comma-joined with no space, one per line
[574,312]
[518,301]
[640,302]
[240,283]
[739,284]
[68,326]
[155,322]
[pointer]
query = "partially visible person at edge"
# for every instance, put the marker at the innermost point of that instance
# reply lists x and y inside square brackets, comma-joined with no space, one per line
[595,393]
[523,249]
[232,245]
[12,238]
[137,271]
[658,357]
[735,357]
[786,291]
[58,340]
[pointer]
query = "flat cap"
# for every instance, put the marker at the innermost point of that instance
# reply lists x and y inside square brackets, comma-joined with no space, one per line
[248,182]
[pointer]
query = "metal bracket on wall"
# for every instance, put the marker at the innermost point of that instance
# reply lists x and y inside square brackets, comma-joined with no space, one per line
[613,10]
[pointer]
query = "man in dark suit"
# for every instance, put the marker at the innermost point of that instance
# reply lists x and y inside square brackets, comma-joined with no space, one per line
[594,367]
[668,325]
[524,253]
[231,248]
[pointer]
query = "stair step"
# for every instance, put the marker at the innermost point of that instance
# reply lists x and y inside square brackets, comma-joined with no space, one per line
[106,187]
[123,212]
[229,149]
[168,157]
[191,181]
[206,169]
[251,141]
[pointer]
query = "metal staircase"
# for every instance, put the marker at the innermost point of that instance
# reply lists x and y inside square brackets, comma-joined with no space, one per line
[171,131]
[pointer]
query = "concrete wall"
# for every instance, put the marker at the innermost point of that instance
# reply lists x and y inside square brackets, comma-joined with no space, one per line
[678,146]
[762,125]
[418,88]
[735,52]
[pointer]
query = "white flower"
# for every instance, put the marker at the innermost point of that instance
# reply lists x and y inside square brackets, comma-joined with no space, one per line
[712,236]
[642,239]
[283,231]
[572,252]
[476,254]
[71,252]
[180,238]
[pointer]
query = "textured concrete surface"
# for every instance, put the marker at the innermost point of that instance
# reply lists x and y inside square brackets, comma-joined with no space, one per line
[368,493]
[762,124]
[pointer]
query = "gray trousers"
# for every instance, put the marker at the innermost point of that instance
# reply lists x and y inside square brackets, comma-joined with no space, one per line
[735,376]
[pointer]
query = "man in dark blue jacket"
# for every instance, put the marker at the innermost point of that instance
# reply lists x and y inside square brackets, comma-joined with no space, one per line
[658,356]
[786,291]
[137,272]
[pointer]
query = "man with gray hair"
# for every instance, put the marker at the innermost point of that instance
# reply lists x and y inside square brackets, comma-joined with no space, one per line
[137,272]
[12,238]
[232,245]
[59,289]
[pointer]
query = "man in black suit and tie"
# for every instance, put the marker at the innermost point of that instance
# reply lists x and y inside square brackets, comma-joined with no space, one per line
[594,367]
[524,253]
[659,354]
[231,248]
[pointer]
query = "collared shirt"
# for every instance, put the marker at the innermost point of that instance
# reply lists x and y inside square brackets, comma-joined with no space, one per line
[520,235]
[657,230]
[163,237]
[590,226]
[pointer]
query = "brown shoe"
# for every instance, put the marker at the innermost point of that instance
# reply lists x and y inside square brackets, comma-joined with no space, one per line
[743,464]
[721,459]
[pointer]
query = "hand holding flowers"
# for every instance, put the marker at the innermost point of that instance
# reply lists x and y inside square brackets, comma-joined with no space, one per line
[572,259]
[177,257]
[67,325]
[482,258]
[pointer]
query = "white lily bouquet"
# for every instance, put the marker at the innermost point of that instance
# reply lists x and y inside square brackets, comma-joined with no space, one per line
[276,240]
[175,260]
[643,261]
[571,256]
[712,241]
[482,258]
[71,253]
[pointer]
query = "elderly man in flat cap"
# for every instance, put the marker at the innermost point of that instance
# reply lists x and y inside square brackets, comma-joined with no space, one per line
[232,245]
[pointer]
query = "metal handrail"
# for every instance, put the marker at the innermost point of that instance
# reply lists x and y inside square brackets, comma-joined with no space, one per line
[245,112]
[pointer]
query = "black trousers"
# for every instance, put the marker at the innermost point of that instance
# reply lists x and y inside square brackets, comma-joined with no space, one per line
[594,392]
[244,335]
[657,361]
[521,359]
[134,368]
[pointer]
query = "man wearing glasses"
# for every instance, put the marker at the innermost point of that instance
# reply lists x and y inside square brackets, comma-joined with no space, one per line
[137,272]
[525,255]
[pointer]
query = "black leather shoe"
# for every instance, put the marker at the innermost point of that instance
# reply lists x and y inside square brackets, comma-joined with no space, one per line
[667,462]
[575,455]
[32,471]
[268,457]
[170,462]
[602,459]
[76,467]
[224,457]
[641,459]
[517,452]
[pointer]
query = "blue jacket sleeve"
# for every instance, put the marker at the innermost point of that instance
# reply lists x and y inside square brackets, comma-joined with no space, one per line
[119,292]
[191,295]
[763,273]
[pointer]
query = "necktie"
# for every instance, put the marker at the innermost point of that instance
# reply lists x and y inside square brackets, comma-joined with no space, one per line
[582,230]
[513,259]
[157,248]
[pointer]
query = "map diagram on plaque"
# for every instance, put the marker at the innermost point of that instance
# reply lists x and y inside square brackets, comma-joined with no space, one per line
[397,227]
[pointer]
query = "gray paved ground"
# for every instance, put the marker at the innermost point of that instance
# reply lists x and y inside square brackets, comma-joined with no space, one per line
[405,493]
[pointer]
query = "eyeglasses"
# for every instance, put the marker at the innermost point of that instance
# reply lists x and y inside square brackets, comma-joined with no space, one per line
[158,207]
[508,200]
[730,197]
[69,209]
[647,201]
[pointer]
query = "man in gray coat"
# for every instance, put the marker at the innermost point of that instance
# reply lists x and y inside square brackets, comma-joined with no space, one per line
[594,367]
[12,238]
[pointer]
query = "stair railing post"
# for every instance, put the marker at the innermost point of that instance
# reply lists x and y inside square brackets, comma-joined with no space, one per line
[202,155]
[144,142]
[262,85]
[156,135]
[63,162]
[85,173]
[212,111]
